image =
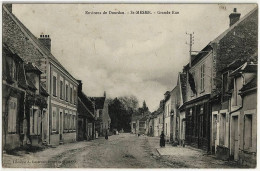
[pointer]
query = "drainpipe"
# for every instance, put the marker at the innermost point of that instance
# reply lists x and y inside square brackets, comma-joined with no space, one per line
[230,122]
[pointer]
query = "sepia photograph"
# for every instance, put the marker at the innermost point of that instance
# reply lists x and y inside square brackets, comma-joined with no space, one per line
[99,85]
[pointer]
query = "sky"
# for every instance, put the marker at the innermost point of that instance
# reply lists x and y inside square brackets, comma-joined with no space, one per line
[129,54]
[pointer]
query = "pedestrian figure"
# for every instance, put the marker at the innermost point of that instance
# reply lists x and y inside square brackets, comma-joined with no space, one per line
[106,135]
[162,140]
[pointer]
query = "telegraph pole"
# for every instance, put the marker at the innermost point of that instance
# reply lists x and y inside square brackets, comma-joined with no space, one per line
[190,43]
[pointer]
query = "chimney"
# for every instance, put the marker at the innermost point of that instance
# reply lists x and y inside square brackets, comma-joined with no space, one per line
[9,7]
[45,40]
[105,94]
[234,17]
[80,86]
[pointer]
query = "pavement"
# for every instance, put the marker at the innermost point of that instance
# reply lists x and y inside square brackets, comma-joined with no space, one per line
[119,151]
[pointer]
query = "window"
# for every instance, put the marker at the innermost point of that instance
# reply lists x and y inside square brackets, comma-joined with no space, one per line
[71,123]
[12,115]
[71,95]
[13,69]
[67,92]
[191,92]
[75,96]
[35,115]
[61,89]
[248,131]
[54,119]
[166,129]
[202,75]
[74,122]
[54,85]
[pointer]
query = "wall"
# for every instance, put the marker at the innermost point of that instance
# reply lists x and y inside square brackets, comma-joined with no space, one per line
[239,43]
[195,69]
[248,156]
[19,41]
[167,119]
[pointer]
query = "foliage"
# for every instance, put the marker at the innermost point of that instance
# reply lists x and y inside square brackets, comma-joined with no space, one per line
[121,110]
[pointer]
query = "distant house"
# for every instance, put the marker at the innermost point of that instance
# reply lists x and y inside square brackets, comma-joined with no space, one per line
[102,116]
[135,123]
[140,123]
[167,115]
[143,125]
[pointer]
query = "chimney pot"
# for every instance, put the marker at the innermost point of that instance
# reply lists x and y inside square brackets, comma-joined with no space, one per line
[235,9]
[45,40]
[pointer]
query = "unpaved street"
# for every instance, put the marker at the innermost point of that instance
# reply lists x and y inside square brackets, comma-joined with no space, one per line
[119,151]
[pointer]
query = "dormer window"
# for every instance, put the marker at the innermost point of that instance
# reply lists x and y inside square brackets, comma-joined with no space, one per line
[13,70]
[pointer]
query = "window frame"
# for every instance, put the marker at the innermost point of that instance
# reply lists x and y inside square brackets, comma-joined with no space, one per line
[202,77]
[54,89]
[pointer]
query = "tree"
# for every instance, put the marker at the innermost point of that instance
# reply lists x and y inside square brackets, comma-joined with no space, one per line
[121,110]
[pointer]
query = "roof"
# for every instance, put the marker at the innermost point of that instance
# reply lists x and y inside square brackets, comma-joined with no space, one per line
[20,68]
[209,46]
[136,117]
[234,65]
[83,110]
[87,101]
[29,67]
[247,67]
[183,85]
[44,49]
[216,40]
[30,84]
[250,85]
[43,91]
[99,102]
[144,118]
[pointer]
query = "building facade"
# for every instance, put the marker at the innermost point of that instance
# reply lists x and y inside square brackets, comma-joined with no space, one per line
[58,82]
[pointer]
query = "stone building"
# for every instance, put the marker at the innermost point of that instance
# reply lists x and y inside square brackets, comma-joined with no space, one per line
[58,82]
[234,47]
[158,120]
[247,153]
[205,77]
[24,103]
[14,87]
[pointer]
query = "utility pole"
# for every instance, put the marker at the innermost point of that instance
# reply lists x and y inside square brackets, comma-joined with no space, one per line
[190,43]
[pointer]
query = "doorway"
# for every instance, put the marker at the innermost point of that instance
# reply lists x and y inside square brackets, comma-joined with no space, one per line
[214,132]
[60,125]
[234,137]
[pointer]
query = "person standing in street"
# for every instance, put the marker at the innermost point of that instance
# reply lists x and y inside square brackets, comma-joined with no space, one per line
[162,140]
[106,135]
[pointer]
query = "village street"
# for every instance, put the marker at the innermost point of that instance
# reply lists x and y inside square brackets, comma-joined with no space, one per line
[119,151]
